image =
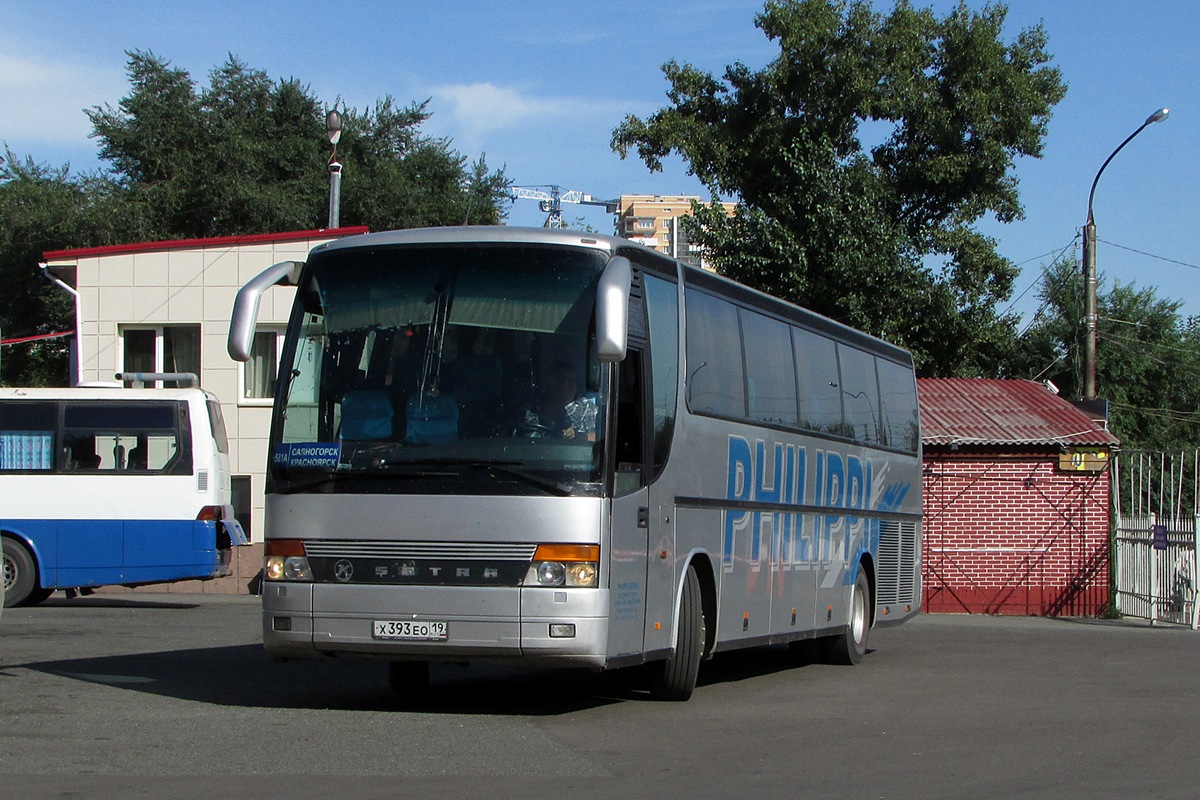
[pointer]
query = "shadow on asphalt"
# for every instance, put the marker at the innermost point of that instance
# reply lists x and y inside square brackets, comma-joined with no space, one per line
[110,601]
[242,676]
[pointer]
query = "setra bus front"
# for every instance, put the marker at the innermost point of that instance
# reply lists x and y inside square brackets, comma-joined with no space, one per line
[437,486]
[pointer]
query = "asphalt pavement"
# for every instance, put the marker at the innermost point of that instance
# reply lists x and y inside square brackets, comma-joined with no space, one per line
[150,695]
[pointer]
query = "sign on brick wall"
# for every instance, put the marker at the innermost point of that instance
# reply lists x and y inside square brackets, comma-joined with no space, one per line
[1083,459]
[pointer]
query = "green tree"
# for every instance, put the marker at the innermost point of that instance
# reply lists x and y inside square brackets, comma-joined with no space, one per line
[45,208]
[878,235]
[395,177]
[1147,356]
[246,154]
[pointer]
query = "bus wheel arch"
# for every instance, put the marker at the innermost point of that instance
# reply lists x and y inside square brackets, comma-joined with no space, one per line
[708,600]
[867,566]
[849,646]
[21,576]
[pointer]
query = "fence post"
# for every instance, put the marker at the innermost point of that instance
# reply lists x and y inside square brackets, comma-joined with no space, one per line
[1153,560]
[1195,575]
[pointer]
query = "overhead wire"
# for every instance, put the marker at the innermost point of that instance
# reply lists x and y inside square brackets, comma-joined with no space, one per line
[1150,255]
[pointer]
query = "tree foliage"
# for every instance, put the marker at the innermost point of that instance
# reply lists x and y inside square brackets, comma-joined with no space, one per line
[244,154]
[1147,356]
[860,157]
[44,208]
[247,154]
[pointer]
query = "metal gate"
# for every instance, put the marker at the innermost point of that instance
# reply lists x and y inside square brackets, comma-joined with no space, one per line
[1157,535]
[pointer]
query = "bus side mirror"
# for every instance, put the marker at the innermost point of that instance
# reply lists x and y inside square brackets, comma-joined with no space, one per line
[612,309]
[244,318]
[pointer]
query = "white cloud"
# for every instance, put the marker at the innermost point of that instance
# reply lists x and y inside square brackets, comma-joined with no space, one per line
[479,109]
[42,99]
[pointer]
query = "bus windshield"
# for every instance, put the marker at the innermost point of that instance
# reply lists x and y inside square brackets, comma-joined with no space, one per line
[443,369]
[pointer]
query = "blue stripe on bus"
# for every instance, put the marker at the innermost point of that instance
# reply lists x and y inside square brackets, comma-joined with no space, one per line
[98,552]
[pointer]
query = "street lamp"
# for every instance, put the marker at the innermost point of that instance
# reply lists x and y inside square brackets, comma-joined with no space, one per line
[333,127]
[1089,269]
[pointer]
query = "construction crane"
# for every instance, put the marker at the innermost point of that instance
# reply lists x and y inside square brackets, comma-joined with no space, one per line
[550,199]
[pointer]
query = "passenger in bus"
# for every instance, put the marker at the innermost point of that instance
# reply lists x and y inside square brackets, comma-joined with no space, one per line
[561,409]
[83,454]
[137,459]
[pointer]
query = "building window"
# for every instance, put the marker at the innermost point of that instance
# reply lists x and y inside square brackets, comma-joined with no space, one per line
[645,224]
[259,373]
[240,500]
[173,348]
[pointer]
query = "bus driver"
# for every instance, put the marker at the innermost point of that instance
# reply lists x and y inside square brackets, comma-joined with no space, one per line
[561,410]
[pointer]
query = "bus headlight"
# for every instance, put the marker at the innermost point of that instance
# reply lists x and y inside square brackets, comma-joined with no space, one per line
[286,561]
[551,573]
[575,565]
[582,574]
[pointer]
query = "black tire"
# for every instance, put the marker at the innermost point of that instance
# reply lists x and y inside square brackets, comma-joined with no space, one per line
[20,576]
[849,647]
[408,677]
[675,678]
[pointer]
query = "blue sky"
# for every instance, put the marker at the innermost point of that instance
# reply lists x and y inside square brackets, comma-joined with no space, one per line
[539,87]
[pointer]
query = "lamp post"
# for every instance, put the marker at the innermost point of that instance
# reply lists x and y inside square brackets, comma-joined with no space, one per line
[1089,268]
[333,127]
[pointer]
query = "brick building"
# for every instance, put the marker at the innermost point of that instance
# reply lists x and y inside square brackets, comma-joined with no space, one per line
[1016,500]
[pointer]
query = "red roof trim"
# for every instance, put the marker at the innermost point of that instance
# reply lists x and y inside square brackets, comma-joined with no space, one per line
[215,241]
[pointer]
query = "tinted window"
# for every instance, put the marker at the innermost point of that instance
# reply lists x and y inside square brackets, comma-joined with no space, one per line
[714,358]
[663,306]
[898,396]
[860,394]
[126,437]
[770,370]
[217,421]
[819,391]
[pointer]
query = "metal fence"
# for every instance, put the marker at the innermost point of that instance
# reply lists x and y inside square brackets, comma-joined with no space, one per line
[1157,535]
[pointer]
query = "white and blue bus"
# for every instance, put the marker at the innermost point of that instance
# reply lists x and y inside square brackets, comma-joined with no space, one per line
[109,485]
[561,449]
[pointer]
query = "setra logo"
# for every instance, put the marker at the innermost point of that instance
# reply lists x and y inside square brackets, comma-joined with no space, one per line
[343,570]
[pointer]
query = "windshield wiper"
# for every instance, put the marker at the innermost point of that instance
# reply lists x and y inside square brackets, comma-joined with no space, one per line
[502,467]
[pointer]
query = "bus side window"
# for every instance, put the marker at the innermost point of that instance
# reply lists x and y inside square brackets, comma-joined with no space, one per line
[27,435]
[629,442]
[130,437]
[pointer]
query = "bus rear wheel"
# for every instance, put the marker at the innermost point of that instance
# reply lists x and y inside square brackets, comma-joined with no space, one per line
[20,576]
[850,646]
[675,678]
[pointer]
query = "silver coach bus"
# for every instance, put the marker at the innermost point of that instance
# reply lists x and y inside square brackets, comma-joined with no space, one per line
[560,449]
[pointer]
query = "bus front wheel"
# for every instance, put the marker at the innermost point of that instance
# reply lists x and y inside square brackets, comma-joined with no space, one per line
[20,576]
[676,677]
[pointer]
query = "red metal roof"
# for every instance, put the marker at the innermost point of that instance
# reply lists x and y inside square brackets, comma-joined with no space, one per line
[214,241]
[978,411]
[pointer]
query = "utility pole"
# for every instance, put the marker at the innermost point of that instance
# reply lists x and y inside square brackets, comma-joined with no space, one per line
[1089,269]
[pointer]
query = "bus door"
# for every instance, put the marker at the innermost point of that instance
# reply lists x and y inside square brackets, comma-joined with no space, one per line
[640,583]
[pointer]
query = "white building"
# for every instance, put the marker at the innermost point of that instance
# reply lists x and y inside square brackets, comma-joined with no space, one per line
[165,306]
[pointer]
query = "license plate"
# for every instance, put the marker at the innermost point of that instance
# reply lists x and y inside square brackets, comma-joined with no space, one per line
[412,630]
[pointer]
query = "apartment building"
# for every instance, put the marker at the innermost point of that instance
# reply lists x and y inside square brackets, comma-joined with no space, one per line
[656,221]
